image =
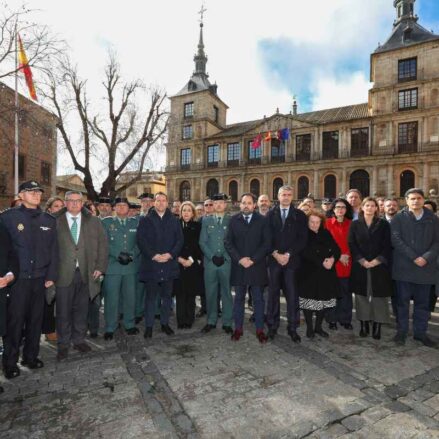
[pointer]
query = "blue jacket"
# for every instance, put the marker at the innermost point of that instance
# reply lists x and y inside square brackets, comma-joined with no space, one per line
[157,235]
[33,234]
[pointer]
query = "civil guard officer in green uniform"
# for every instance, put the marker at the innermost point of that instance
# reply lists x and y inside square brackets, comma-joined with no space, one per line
[121,276]
[217,264]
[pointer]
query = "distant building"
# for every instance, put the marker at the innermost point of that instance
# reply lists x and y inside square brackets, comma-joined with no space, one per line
[151,182]
[37,142]
[70,182]
[381,147]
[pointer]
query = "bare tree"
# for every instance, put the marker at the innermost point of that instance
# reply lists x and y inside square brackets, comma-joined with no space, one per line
[117,137]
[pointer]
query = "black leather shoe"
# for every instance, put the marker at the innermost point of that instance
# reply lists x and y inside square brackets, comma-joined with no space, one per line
[93,335]
[295,337]
[11,372]
[167,330]
[34,364]
[400,338]
[228,329]
[347,326]
[138,320]
[272,333]
[310,333]
[321,332]
[364,330]
[132,331]
[207,328]
[148,333]
[376,331]
[108,336]
[426,341]
[332,326]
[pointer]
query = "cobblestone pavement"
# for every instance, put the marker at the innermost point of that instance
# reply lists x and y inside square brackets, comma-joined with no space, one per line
[205,386]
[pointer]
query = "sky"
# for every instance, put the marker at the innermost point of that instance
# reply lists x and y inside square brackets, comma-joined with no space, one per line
[261,54]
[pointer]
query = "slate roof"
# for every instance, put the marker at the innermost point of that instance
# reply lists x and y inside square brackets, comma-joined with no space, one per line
[196,83]
[405,34]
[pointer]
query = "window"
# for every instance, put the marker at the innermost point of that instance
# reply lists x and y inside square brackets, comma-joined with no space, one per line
[233,154]
[254,154]
[188,109]
[215,113]
[21,166]
[277,150]
[46,173]
[303,147]
[187,132]
[277,184]
[407,69]
[255,187]
[302,187]
[233,190]
[212,187]
[408,99]
[185,191]
[407,137]
[360,180]
[212,156]
[330,145]
[330,186]
[359,142]
[185,158]
[406,182]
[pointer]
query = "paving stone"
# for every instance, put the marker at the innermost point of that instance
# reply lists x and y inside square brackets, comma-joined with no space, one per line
[353,423]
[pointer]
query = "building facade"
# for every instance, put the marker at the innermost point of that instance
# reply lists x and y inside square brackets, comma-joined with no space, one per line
[37,145]
[150,182]
[382,147]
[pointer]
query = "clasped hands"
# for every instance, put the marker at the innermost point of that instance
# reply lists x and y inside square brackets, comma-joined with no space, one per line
[281,258]
[185,262]
[246,262]
[162,258]
[370,264]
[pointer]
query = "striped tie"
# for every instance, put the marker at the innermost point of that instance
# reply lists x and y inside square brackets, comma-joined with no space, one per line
[74,229]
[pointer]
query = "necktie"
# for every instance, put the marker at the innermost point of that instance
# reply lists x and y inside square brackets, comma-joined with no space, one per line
[219,220]
[74,229]
[247,219]
[284,216]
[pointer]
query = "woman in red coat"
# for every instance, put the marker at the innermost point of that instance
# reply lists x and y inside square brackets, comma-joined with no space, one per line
[339,226]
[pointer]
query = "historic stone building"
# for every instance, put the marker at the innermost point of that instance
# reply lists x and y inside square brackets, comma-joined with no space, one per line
[37,145]
[381,147]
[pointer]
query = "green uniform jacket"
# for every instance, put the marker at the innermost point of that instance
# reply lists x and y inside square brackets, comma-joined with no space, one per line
[121,239]
[212,238]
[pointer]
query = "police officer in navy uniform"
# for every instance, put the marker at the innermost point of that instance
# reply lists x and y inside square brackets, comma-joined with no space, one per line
[33,234]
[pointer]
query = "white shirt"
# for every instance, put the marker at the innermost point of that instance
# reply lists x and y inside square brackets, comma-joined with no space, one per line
[249,216]
[69,217]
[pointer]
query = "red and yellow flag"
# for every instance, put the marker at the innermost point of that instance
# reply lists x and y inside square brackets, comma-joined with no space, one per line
[23,64]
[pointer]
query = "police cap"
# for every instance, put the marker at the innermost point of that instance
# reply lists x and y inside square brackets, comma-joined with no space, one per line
[118,200]
[105,200]
[29,186]
[145,195]
[217,197]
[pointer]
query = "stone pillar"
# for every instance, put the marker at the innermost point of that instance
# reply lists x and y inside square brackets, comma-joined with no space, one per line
[374,187]
[315,193]
[265,185]
[289,181]
[343,188]
[221,184]
[241,188]
[390,181]
[426,178]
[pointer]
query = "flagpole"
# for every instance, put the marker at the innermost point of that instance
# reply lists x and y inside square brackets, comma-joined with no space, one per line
[16,115]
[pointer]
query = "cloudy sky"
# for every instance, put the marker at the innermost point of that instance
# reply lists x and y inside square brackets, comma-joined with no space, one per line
[261,53]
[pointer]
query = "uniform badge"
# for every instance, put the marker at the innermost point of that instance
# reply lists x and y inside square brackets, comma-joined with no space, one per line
[20,227]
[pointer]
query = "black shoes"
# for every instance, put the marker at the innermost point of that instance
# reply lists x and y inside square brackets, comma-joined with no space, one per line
[376,331]
[34,364]
[207,328]
[108,336]
[167,330]
[295,337]
[148,332]
[426,341]
[272,333]
[11,372]
[365,329]
[132,331]
[321,332]
[400,338]
[333,326]
[228,329]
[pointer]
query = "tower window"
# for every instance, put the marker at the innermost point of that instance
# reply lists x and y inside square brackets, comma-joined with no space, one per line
[212,156]
[185,158]
[407,69]
[188,109]
[408,99]
[215,113]
[187,132]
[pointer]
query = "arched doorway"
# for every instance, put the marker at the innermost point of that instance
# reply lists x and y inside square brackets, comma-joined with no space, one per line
[406,182]
[359,180]
[302,187]
[233,190]
[212,187]
[330,186]
[255,187]
[277,184]
[185,191]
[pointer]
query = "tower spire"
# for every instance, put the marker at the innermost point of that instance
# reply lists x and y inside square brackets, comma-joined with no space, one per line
[404,11]
[200,58]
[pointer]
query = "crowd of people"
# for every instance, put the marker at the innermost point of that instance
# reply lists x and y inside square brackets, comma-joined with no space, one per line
[58,265]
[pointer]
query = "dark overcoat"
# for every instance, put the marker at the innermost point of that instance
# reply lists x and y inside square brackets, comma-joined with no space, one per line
[370,243]
[314,280]
[8,264]
[159,235]
[248,240]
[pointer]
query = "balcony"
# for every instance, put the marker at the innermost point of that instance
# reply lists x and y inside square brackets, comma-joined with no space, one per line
[407,148]
[360,152]
[212,164]
[330,153]
[255,161]
[232,163]
[278,159]
[303,156]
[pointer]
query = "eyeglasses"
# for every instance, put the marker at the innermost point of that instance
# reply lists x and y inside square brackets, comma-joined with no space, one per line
[207,205]
[340,207]
[74,201]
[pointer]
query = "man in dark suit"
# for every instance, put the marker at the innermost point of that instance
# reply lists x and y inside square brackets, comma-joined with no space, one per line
[289,231]
[248,243]
[33,234]
[83,258]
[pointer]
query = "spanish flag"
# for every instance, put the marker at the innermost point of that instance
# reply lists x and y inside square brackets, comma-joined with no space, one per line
[23,64]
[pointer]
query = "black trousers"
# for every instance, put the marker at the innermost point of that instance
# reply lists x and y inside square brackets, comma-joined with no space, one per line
[25,317]
[185,307]
[48,318]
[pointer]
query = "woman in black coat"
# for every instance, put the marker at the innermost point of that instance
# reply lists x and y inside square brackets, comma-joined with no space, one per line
[370,245]
[190,282]
[317,280]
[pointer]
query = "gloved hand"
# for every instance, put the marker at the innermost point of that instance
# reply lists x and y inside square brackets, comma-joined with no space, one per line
[124,258]
[218,260]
